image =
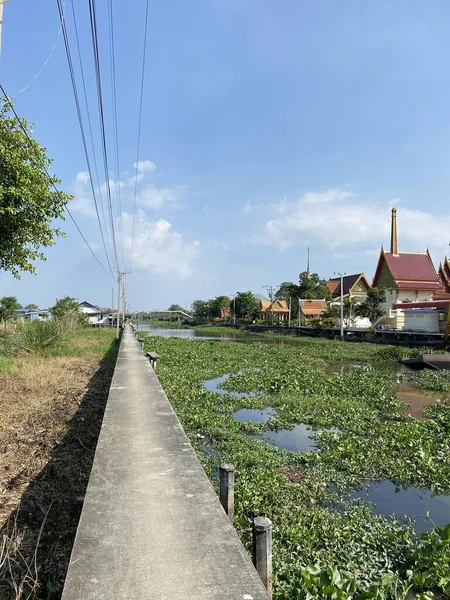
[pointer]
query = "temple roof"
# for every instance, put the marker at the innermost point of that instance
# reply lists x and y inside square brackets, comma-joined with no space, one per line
[348,281]
[313,308]
[411,271]
[279,306]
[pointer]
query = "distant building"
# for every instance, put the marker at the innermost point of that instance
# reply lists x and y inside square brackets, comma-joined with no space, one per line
[225,313]
[310,309]
[444,276]
[354,286]
[279,309]
[406,277]
[94,313]
[28,314]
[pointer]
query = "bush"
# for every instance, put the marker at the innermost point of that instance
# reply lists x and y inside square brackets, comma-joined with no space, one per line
[37,336]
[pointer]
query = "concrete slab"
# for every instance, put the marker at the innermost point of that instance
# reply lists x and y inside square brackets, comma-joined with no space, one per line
[152,526]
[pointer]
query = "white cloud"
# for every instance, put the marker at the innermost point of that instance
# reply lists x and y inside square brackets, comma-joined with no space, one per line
[148,194]
[83,177]
[145,166]
[336,218]
[83,206]
[247,208]
[157,248]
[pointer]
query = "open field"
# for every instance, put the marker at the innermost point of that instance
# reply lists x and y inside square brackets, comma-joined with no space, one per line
[51,408]
[339,400]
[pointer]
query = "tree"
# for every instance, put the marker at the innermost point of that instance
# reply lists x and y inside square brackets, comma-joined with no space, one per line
[219,303]
[287,290]
[32,307]
[246,305]
[67,309]
[371,307]
[8,306]
[28,200]
[200,309]
[176,307]
[311,287]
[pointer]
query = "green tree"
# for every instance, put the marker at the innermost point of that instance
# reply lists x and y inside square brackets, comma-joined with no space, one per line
[32,307]
[287,290]
[8,306]
[311,287]
[247,305]
[67,309]
[200,309]
[371,307]
[219,303]
[28,201]
[176,307]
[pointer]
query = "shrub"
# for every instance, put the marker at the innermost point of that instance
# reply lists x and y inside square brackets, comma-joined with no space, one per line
[40,335]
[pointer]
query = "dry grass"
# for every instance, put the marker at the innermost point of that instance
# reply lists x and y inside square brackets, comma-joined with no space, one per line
[51,410]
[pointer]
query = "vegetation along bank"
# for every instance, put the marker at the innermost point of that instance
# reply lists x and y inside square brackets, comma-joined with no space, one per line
[54,382]
[327,544]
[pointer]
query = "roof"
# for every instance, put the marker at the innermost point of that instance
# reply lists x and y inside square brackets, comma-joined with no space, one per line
[425,304]
[85,302]
[313,308]
[278,306]
[348,281]
[411,271]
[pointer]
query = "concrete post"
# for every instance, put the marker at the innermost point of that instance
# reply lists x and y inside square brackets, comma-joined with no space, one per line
[227,489]
[262,550]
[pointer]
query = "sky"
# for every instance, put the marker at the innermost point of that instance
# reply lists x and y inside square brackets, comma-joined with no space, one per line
[267,127]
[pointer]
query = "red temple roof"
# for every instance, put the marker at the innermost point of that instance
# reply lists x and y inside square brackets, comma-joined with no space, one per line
[410,271]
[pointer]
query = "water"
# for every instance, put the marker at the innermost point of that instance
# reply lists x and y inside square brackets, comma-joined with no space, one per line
[254,415]
[412,502]
[297,439]
[212,385]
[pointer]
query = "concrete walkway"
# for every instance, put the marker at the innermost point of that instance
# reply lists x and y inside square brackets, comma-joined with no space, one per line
[152,526]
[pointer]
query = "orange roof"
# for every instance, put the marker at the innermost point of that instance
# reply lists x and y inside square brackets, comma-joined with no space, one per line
[313,308]
[279,306]
[333,285]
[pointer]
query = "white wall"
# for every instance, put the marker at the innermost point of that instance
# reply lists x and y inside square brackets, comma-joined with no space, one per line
[426,321]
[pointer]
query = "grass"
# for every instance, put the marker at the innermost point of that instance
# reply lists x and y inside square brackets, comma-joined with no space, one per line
[325,546]
[51,408]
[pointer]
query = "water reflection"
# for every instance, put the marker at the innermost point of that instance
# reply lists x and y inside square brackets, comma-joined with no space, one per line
[412,502]
[297,439]
[254,414]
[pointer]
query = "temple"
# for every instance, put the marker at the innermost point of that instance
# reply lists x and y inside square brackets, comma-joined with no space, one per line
[406,277]
[353,286]
[444,275]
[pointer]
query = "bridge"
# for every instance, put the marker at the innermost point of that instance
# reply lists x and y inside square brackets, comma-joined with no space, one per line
[152,525]
[158,312]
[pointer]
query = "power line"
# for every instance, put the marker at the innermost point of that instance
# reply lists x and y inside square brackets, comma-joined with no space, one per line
[115,127]
[105,223]
[80,121]
[49,178]
[94,35]
[139,129]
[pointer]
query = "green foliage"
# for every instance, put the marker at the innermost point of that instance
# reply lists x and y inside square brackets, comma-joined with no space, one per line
[438,381]
[311,287]
[28,201]
[247,305]
[67,310]
[325,546]
[219,303]
[32,307]
[371,307]
[8,307]
[200,309]
[176,307]
[37,336]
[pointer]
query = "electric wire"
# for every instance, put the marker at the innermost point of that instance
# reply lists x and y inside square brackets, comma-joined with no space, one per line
[91,137]
[139,130]
[80,122]
[94,36]
[115,126]
[5,95]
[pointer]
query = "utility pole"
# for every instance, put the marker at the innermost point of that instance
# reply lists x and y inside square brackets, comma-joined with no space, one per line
[289,311]
[1,24]
[269,288]
[341,275]
[299,312]
[119,282]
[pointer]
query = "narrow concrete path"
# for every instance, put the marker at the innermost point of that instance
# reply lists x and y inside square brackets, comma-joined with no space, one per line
[152,526]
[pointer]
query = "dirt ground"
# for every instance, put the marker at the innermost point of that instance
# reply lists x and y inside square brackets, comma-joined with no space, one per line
[51,411]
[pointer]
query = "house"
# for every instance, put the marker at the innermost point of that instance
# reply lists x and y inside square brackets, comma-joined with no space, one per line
[406,277]
[353,286]
[28,314]
[310,309]
[94,313]
[279,309]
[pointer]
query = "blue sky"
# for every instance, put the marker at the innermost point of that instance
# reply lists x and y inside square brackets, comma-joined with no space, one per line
[267,127]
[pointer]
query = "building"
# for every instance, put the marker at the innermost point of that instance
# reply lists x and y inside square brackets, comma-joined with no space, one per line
[353,286]
[406,277]
[94,313]
[444,275]
[432,316]
[28,314]
[278,309]
[310,309]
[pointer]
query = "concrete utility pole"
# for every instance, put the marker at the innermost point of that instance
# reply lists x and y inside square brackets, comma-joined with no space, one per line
[289,311]
[119,282]
[341,275]
[269,288]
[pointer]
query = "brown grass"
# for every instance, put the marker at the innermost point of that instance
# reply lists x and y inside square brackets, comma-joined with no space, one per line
[50,416]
